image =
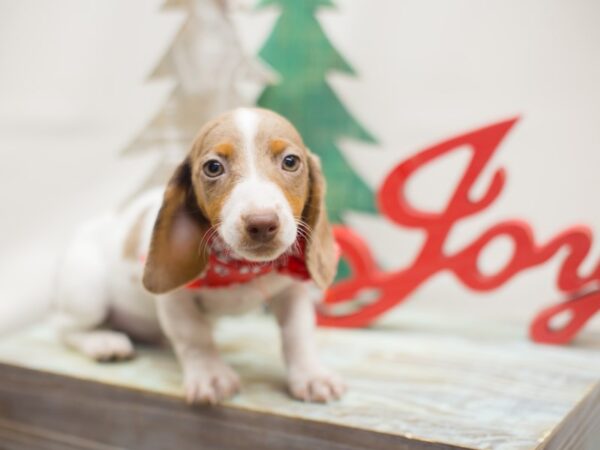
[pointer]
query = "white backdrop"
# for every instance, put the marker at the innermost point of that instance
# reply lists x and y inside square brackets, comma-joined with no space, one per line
[72,95]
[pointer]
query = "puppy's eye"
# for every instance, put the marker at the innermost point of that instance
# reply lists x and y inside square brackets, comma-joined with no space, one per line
[290,163]
[213,168]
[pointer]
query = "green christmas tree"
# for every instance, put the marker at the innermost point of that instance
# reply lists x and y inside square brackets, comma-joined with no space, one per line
[300,52]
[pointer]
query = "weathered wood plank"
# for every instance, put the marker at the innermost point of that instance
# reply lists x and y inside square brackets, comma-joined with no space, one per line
[581,429]
[415,378]
[22,436]
[102,417]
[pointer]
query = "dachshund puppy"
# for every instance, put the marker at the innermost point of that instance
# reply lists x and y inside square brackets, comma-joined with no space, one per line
[242,222]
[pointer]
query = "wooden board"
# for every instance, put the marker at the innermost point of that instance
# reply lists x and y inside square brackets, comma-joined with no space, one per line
[416,381]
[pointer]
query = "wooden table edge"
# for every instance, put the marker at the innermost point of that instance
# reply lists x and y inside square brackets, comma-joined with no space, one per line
[25,398]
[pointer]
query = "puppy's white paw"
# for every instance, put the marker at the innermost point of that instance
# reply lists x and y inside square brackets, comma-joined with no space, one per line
[315,385]
[210,382]
[106,345]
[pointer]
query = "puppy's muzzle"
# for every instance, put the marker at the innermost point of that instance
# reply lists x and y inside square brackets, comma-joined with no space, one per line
[261,227]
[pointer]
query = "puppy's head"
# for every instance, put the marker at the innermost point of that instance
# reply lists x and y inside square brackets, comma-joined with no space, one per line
[249,181]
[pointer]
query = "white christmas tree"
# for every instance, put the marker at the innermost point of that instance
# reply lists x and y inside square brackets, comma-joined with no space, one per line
[211,72]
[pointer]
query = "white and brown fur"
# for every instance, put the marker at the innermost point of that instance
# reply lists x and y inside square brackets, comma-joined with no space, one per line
[103,280]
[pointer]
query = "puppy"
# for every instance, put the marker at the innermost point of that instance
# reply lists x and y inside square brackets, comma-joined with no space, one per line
[242,222]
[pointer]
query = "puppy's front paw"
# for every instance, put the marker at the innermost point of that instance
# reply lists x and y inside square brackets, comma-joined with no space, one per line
[315,385]
[210,382]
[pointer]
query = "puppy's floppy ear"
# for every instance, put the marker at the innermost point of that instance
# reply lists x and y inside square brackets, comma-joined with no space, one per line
[321,257]
[175,257]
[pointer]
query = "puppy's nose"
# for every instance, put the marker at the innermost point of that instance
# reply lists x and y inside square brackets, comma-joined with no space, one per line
[261,227]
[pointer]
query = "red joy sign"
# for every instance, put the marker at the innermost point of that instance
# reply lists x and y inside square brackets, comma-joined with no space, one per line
[387,289]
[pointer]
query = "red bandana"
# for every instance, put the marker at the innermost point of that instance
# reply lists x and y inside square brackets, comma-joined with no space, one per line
[223,270]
